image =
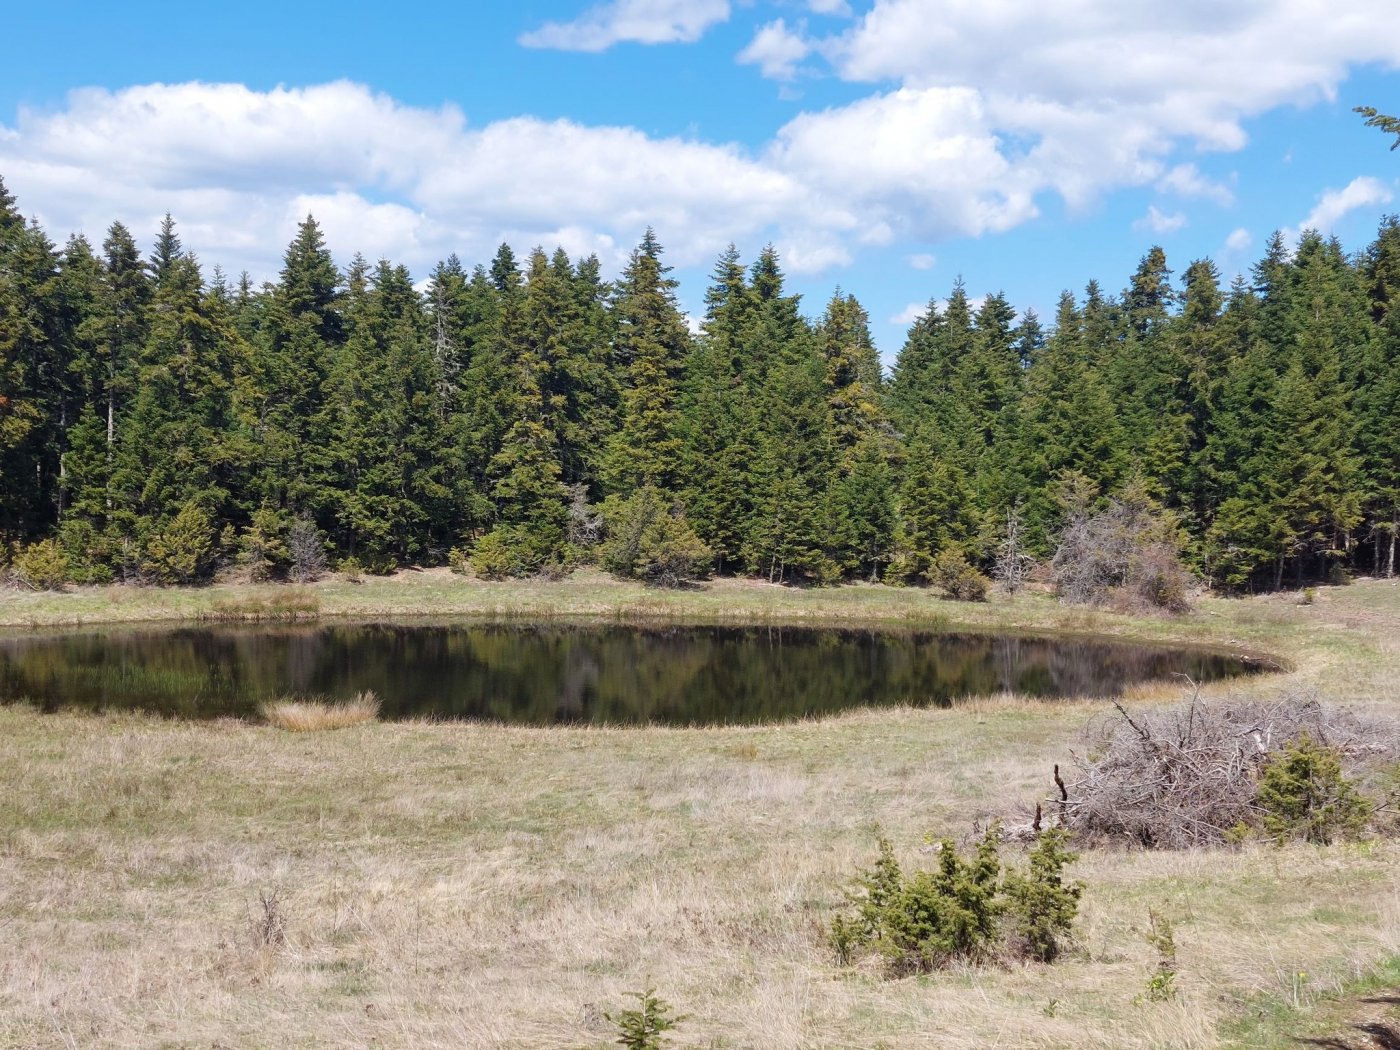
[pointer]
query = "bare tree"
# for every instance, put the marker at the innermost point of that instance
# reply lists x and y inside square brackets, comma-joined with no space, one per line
[307,550]
[1013,563]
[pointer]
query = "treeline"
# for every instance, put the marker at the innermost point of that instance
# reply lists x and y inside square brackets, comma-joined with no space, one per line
[157,422]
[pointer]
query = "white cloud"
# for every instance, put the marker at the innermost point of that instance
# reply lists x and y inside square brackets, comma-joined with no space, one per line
[1086,96]
[1239,241]
[808,255]
[996,104]
[1333,205]
[1158,221]
[238,168]
[1186,180]
[776,50]
[922,261]
[838,8]
[910,314]
[920,162]
[638,21]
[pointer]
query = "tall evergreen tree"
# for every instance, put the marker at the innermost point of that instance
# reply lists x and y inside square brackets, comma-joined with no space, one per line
[651,343]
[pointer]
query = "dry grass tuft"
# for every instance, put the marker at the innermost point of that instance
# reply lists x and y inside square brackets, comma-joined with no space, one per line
[309,716]
[287,605]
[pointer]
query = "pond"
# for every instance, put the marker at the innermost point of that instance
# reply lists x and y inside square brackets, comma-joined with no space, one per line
[548,675]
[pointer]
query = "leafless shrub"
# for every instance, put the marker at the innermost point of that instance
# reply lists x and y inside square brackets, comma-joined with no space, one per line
[269,922]
[585,520]
[1013,563]
[1127,555]
[1185,776]
[307,550]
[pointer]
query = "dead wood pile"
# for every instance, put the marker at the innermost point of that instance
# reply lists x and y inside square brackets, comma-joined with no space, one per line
[1172,778]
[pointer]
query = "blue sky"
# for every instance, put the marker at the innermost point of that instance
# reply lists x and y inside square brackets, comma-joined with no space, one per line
[885,146]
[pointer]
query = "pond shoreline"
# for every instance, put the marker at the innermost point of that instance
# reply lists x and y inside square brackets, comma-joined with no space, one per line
[591,597]
[582,671]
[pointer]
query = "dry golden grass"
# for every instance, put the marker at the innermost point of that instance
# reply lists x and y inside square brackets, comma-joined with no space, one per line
[479,886]
[310,716]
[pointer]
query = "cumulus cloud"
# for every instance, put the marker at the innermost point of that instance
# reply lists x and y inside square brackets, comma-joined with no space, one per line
[636,21]
[776,50]
[1097,94]
[836,8]
[1186,180]
[911,313]
[1158,221]
[1333,205]
[920,162]
[239,168]
[922,261]
[984,109]
[1239,241]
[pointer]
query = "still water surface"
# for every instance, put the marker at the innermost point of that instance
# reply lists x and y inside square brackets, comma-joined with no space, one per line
[545,675]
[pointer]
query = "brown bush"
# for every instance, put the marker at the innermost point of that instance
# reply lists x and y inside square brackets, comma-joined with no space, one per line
[1127,555]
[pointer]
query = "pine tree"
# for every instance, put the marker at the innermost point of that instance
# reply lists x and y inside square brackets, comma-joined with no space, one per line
[853,381]
[386,465]
[1375,385]
[33,376]
[652,344]
[174,449]
[1068,422]
[302,332]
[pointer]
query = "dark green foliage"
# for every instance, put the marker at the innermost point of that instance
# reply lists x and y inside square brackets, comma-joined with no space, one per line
[645,1027]
[648,538]
[1042,904]
[964,909]
[474,414]
[1304,795]
[183,550]
[651,344]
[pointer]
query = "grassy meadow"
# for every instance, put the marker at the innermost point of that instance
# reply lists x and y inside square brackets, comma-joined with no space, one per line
[167,884]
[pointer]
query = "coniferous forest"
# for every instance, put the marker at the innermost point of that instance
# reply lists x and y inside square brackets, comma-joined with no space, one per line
[159,421]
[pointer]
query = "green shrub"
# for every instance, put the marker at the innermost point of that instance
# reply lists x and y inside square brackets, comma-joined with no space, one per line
[1304,795]
[459,561]
[1161,984]
[491,557]
[904,568]
[183,550]
[41,566]
[966,909]
[351,569]
[671,555]
[262,548]
[519,550]
[89,552]
[645,1027]
[648,538]
[958,578]
[1041,904]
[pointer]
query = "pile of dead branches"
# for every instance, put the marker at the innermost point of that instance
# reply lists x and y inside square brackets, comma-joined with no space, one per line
[1187,775]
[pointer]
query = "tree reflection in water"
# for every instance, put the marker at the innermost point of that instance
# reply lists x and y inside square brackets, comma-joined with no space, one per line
[544,675]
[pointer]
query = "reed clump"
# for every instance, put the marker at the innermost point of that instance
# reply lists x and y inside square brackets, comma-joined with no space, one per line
[284,606]
[310,716]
